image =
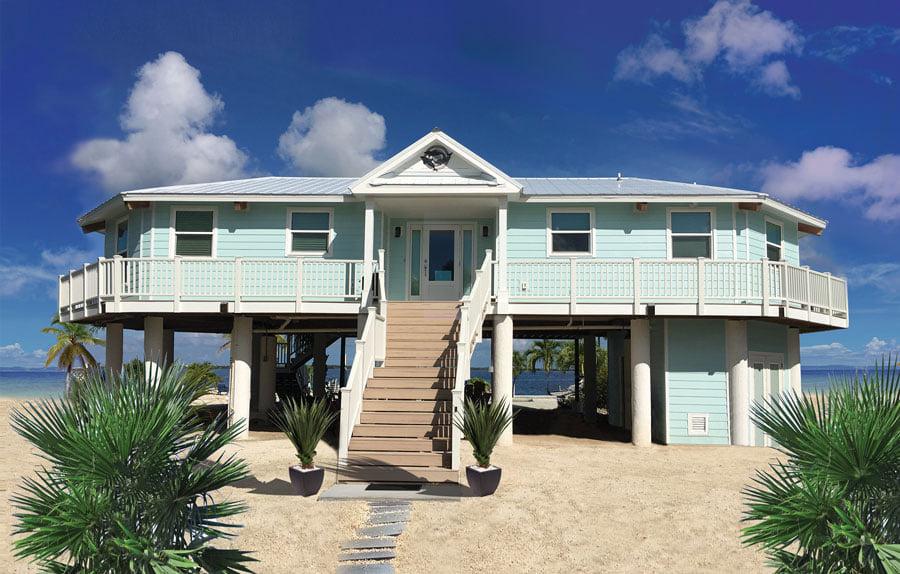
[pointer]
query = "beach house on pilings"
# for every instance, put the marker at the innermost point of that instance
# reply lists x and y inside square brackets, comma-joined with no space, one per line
[699,291]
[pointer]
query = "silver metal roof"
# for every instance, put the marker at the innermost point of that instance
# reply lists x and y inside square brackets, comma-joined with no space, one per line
[532,186]
[271,185]
[616,186]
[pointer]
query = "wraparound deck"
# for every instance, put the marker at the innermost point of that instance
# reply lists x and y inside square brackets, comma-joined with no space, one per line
[576,286]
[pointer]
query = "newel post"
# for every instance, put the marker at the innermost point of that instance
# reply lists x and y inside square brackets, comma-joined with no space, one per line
[765,286]
[117,280]
[238,279]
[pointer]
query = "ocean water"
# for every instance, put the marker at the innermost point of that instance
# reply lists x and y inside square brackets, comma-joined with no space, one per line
[34,383]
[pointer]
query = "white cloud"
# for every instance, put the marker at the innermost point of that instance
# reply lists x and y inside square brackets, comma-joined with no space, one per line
[841,43]
[688,118]
[17,277]
[839,354]
[166,120]
[750,42]
[831,173]
[333,137]
[14,355]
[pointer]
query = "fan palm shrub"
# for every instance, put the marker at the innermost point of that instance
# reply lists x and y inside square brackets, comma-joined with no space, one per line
[482,424]
[128,481]
[832,504]
[304,423]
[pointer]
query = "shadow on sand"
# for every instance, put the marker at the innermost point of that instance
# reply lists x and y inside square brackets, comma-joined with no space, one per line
[565,422]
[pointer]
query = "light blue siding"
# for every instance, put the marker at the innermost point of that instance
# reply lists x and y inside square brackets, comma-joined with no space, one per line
[526,235]
[756,237]
[621,233]
[697,379]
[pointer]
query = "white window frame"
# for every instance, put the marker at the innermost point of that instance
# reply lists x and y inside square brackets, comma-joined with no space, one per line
[550,232]
[290,232]
[116,251]
[780,225]
[712,230]
[173,236]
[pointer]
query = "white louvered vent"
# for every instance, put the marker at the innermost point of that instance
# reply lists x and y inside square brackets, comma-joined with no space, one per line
[698,424]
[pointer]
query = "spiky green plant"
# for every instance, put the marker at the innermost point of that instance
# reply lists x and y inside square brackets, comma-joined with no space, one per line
[481,425]
[304,423]
[833,503]
[128,480]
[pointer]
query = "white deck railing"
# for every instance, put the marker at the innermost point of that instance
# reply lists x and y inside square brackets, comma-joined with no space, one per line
[472,312]
[696,281]
[370,350]
[187,279]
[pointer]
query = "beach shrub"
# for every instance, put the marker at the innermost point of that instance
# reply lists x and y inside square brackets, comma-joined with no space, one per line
[832,504]
[481,425]
[129,479]
[478,390]
[305,423]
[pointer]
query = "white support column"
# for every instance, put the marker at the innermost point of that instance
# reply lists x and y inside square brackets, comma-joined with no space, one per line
[320,368]
[266,373]
[500,245]
[153,345]
[114,339]
[502,383]
[168,355]
[241,367]
[368,247]
[793,358]
[640,382]
[590,378]
[738,385]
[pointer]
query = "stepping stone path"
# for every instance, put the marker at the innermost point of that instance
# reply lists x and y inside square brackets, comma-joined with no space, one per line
[373,549]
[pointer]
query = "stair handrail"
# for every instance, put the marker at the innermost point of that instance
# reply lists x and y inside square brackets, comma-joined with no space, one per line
[472,313]
[360,372]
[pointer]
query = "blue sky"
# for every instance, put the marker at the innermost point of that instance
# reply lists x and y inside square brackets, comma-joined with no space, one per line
[797,100]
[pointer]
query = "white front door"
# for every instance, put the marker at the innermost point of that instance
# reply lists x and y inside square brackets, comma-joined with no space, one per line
[767,380]
[441,264]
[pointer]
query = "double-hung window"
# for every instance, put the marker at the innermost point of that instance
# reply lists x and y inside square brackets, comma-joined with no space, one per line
[570,233]
[691,234]
[773,241]
[194,233]
[310,232]
[122,238]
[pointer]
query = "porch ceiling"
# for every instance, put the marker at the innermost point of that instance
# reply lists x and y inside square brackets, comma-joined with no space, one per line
[439,207]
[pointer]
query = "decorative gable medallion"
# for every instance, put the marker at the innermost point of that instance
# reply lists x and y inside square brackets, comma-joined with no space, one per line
[436,157]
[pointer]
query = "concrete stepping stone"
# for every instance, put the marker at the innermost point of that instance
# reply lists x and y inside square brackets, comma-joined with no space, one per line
[388,518]
[369,543]
[371,568]
[394,529]
[367,555]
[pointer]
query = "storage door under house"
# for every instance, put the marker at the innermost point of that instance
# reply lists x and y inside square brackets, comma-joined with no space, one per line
[767,380]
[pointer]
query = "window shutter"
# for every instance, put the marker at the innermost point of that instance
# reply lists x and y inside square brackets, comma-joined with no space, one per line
[201,221]
[193,245]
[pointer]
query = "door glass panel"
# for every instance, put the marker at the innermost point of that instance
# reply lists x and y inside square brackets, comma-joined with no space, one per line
[441,260]
[415,262]
[775,379]
[758,388]
[467,259]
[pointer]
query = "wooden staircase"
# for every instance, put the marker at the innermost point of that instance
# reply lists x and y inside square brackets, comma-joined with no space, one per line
[404,431]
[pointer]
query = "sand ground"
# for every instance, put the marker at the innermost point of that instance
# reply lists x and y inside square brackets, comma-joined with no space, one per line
[565,505]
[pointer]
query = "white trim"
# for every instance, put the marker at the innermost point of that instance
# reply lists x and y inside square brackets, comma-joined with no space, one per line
[410,227]
[215,227]
[705,417]
[590,231]
[288,232]
[746,236]
[734,232]
[140,244]
[767,221]
[152,209]
[712,229]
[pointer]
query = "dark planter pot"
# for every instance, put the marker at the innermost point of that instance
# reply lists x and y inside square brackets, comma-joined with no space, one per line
[483,481]
[306,481]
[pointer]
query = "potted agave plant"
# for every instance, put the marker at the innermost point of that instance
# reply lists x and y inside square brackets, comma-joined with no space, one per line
[304,423]
[481,425]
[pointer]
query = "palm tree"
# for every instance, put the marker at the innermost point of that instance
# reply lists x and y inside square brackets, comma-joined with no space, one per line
[520,364]
[128,480]
[545,351]
[832,504]
[70,347]
[204,374]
